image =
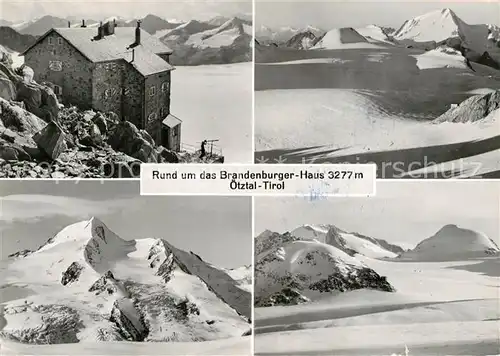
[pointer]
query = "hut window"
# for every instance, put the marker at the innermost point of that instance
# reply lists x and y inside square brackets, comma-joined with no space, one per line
[164,87]
[57,90]
[55,66]
[51,41]
[59,41]
[152,91]
[107,93]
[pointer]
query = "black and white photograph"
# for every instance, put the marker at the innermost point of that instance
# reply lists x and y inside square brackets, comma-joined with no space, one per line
[95,269]
[411,86]
[413,271]
[94,89]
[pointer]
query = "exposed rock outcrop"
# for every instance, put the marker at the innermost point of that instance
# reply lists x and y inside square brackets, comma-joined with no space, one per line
[127,138]
[286,296]
[22,253]
[130,327]
[291,270]
[473,109]
[39,99]
[15,117]
[357,279]
[41,139]
[105,284]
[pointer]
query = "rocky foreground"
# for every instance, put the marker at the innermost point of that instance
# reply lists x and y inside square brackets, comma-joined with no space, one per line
[40,138]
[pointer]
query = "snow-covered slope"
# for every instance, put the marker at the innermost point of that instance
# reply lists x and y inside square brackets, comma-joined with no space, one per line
[86,284]
[225,35]
[481,109]
[453,243]
[343,38]
[291,270]
[281,35]
[441,57]
[351,243]
[242,275]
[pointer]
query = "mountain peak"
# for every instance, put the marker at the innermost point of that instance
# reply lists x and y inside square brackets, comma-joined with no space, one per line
[437,26]
[452,242]
[447,11]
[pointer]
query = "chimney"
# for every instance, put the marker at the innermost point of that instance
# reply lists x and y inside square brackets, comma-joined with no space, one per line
[133,55]
[69,24]
[100,33]
[138,33]
[114,23]
[83,23]
[137,41]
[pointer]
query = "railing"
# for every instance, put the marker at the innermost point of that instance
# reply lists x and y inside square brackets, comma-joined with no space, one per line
[211,148]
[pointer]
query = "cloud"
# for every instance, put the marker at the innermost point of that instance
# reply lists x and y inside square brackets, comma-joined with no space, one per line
[31,208]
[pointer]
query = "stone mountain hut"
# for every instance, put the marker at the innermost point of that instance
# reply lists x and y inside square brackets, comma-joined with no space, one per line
[108,68]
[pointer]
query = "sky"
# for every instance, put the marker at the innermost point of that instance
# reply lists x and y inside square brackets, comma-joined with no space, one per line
[22,10]
[335,14]
[218,229]
[404,212]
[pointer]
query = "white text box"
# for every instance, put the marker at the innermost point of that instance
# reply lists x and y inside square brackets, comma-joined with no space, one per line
[315,181]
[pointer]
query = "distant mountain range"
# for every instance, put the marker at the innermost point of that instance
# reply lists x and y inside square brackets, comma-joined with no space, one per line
[217,41]
[477,43]
[198,42]
[313,261]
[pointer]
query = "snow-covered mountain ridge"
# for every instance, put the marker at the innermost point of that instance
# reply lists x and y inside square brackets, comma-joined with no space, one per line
[198,42]
[315,261]
[351,243]
[291,270]
[88,284]
[453,243]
